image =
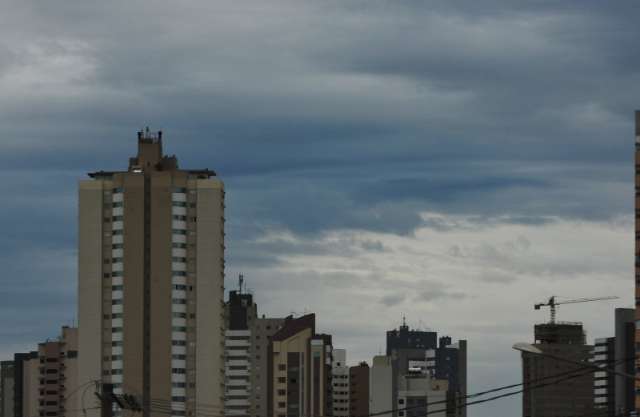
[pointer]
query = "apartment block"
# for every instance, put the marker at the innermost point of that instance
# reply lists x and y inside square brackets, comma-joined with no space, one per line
[563,396]
[247,356]
[151,283]
[300,365]
[359,390]
[604,382]
[340,384]
[637,259]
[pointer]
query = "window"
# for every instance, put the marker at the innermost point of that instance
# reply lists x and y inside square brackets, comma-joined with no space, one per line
[179,273]
[116,330]
[178,259]
[117,204]
[117,218]
[179,342]
[179,329]
[179,315]
[116,302]
[282,392]
[179,357]
[282,405]
[177,217]
[116,274]
[180,287]
[282,367]
[117,246]
[116,357]
[117,232]
[282,380]
[179,301]
[116,260]
[116,316]
[178,371]
[179,245]
[179,204]
[115,344]
[117,190]
[116,372]
[179,232]
[117,287]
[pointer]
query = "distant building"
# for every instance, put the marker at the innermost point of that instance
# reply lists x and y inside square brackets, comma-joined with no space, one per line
[637,258]
[568,389]
[43,383]
[359,390]
[415,350]
[613,393]
[625,351]
[300,367]
[340,384]
[247,356]
[151,282]
[604,383]
[382,387]
[7,380]
[420,395]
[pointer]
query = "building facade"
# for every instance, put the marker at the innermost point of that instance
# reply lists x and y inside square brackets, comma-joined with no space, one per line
[420,395]
[382,386]
[604,383]
[412,351]
[151,283]
[359,390]
[300,369]
[7,381]
[43,383]
[637,259]
[340,384]
[568,388]
[247,356]
[625,327]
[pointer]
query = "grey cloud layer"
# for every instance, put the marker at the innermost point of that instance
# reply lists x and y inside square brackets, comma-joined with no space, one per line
[322,117]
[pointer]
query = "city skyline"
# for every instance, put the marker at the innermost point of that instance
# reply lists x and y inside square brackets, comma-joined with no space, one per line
[447,163]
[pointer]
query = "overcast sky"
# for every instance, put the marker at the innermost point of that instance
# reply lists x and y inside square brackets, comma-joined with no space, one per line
[454,162]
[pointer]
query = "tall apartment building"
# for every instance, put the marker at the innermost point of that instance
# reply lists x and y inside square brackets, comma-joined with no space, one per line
[624,348]
[150,274]
[563,396]
[340,384]
[637,261]
[615,394]
[300,367]
[359,390]
[42,383]
[247,356]
[412,350]
[604,387]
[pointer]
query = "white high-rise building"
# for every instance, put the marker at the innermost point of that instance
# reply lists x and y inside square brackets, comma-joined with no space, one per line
[340,383]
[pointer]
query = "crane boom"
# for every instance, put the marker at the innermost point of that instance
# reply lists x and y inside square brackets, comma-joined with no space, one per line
[552,303]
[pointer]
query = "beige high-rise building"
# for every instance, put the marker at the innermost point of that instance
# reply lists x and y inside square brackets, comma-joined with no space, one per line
[151,283]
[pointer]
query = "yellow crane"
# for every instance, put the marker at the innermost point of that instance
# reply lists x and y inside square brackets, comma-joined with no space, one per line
[552,303]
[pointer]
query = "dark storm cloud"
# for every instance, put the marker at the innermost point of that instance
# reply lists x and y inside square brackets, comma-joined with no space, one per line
[320,117]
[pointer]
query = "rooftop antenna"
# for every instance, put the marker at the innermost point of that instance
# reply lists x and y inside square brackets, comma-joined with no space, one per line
[240,282]
[404,321]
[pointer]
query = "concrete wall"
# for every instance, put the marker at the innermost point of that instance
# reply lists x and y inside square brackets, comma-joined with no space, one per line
[210,293]
[381,385]
[90,283]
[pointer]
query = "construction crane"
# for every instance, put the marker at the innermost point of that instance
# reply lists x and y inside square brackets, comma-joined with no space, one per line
[552,303]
